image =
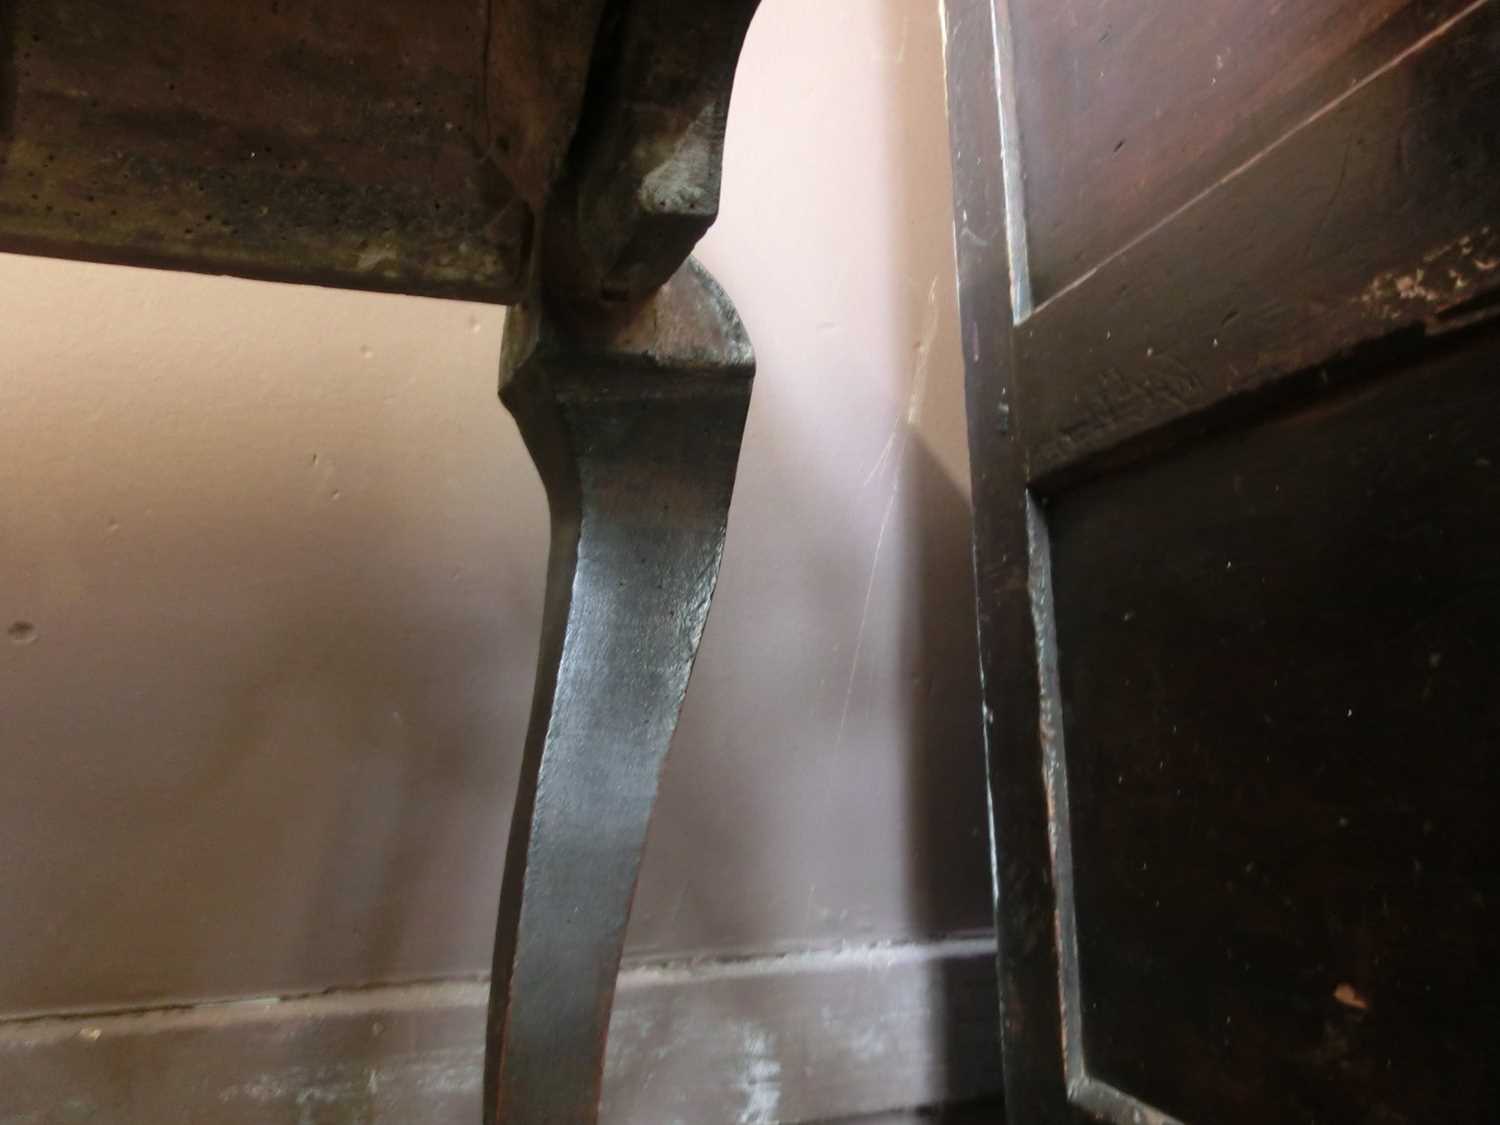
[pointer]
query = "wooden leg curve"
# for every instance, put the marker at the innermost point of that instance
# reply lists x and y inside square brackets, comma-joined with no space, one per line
[634,421]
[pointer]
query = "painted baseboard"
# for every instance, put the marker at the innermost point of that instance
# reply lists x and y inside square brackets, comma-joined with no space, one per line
[796,1038]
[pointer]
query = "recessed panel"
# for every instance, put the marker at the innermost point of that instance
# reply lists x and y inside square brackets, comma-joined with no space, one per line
[1279,664]
[1128,111]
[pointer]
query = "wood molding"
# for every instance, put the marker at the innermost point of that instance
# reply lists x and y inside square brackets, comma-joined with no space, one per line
[797,1037]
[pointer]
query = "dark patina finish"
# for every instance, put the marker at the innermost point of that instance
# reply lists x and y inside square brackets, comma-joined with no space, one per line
[634,421]
[369,144]
[338,142]
[642,183]
[629,375]
[1228,292]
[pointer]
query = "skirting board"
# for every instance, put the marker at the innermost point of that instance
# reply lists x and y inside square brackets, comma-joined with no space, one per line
[801,1037]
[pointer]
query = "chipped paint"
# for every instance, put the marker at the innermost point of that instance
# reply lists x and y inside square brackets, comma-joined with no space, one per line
[377,258]
[878,956]
[759,1081]
[433,1074]
[1448,277]
[1347,995]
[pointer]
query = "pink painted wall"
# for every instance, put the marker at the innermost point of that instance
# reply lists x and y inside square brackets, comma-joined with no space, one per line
[281,553]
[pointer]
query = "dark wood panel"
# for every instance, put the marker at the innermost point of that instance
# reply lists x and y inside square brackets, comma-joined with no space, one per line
[1127,111]
[1382,215]
[1278,655]
[341,142]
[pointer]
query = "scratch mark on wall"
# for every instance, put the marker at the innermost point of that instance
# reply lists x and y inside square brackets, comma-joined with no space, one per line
[900,436]
[431,1075]
[899,54]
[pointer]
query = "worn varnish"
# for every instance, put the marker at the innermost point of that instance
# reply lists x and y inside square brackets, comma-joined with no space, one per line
[1233,427]
[421,148]
[335,142]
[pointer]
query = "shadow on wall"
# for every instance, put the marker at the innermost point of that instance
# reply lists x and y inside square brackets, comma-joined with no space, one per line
[829,753]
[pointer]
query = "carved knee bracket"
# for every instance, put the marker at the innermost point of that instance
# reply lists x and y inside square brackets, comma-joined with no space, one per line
[634,421]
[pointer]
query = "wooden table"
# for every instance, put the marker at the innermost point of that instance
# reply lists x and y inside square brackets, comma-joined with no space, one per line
[561,156]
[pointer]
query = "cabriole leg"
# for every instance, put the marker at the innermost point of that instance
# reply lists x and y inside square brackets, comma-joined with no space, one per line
[634,420]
